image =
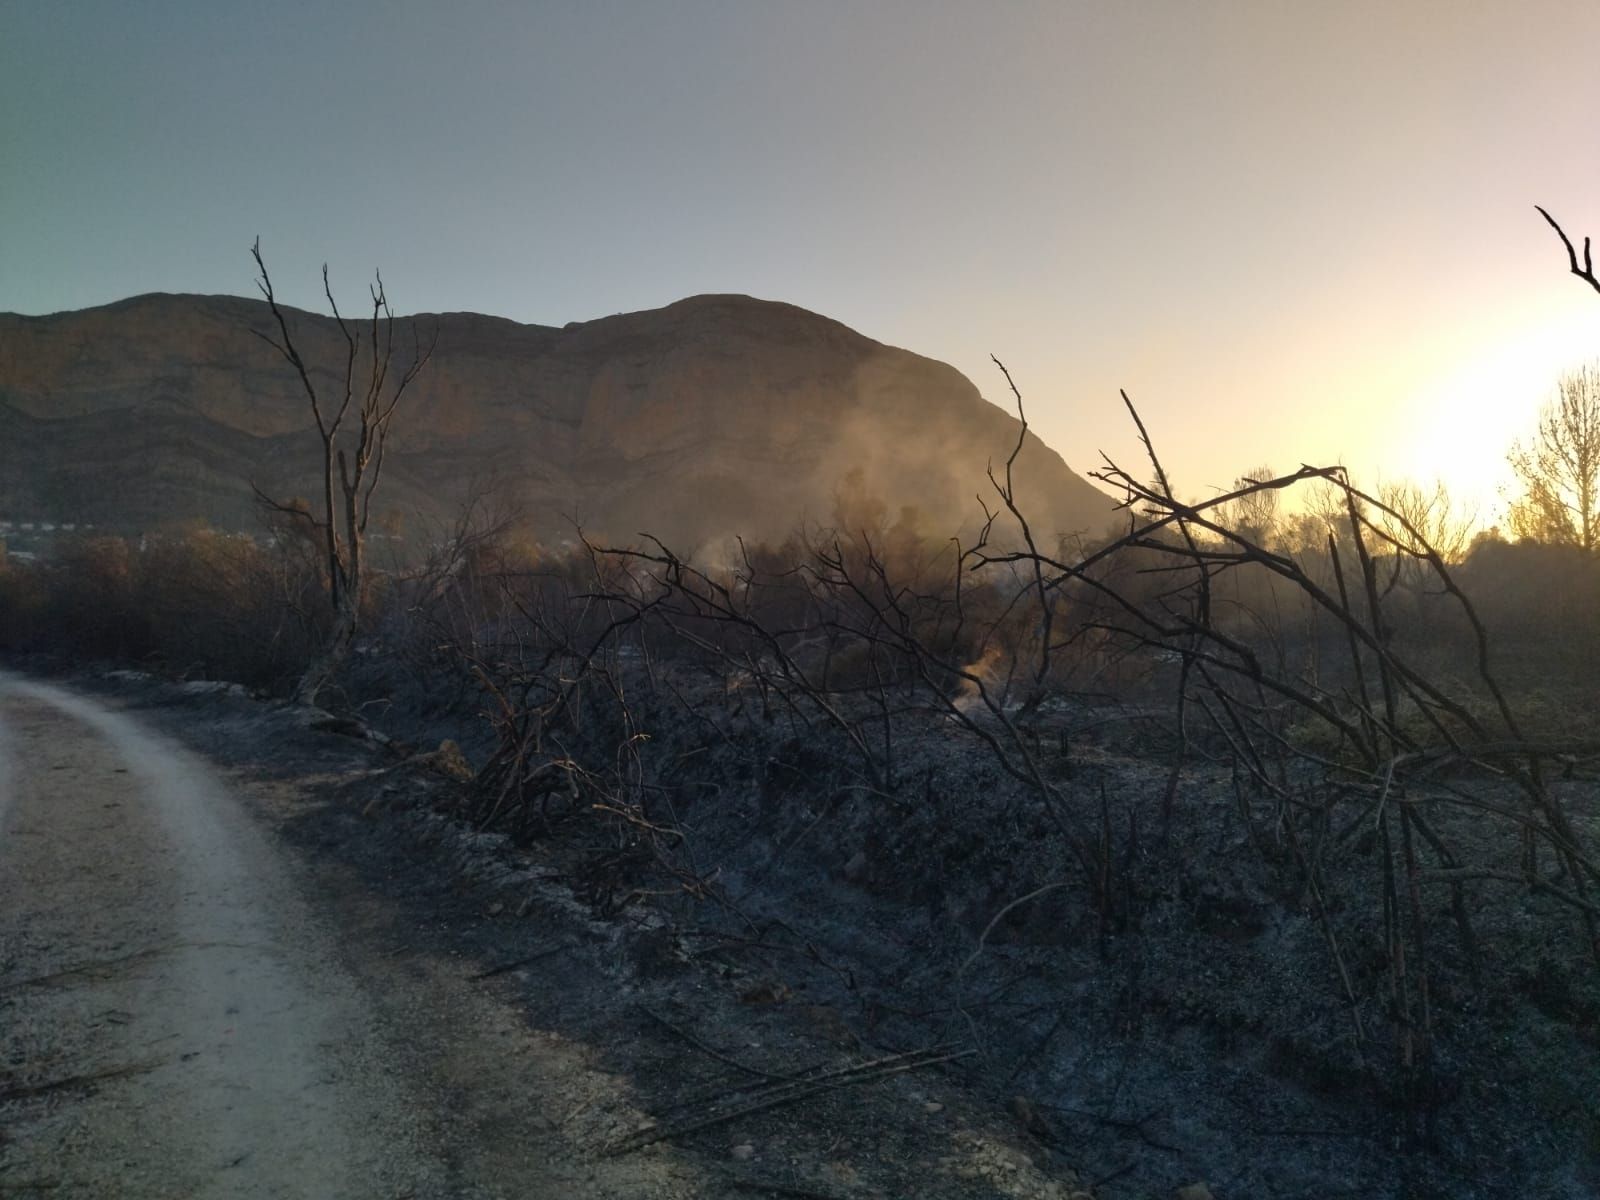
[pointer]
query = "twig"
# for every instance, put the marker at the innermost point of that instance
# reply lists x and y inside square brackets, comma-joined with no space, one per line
[983,938]
[520,962]
[789,1093]
[1586,271]
[726,1060]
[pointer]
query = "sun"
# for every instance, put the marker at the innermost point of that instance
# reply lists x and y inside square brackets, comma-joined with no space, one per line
[1467,415]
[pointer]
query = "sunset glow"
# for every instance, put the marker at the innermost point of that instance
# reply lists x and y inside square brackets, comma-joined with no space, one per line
[1484,397]
[1290,232]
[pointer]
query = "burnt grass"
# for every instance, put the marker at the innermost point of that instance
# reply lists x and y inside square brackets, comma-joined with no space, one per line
[1178,1019]
[378,824]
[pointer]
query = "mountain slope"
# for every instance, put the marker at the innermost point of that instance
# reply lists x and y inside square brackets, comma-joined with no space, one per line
[713,416]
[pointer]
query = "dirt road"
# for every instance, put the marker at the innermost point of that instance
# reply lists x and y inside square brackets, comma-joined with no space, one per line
[179,1018]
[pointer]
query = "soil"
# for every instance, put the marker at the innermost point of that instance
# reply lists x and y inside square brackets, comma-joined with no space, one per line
[546,1004]
[1194,1028]
[243,954]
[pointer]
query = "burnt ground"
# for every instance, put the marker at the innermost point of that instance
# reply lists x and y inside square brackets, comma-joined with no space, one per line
[1192,1029]
[632,1035]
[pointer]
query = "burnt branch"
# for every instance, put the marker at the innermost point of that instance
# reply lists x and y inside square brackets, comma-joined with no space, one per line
[1585,271]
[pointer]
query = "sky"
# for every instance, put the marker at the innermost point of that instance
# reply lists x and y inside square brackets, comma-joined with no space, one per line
[1293,231]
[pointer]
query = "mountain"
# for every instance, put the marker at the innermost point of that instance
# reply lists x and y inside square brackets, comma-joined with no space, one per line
[713,416]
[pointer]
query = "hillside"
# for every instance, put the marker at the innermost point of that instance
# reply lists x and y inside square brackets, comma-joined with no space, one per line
[713,416]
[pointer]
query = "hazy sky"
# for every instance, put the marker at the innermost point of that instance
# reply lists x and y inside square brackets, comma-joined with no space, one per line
[1292,230]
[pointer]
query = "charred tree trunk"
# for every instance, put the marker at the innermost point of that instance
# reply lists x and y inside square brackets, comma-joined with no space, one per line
[331,657]
[354,432]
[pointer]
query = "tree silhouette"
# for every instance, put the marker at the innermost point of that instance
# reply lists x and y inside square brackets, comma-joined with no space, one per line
[353,427]
[1558,472]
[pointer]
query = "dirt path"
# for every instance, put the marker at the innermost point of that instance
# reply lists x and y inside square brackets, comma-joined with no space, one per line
[178,1018]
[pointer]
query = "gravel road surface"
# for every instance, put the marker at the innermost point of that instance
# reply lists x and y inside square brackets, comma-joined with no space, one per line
[181,1014]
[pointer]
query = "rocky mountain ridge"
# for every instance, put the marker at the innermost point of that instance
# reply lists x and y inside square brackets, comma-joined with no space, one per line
[715,416]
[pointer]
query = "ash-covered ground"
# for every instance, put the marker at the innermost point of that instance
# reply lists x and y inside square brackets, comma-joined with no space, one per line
[1180,1018]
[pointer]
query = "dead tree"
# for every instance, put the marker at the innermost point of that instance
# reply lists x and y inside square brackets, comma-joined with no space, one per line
[353,427]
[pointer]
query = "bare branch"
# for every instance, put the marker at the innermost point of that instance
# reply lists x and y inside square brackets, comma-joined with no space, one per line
[1586,271]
